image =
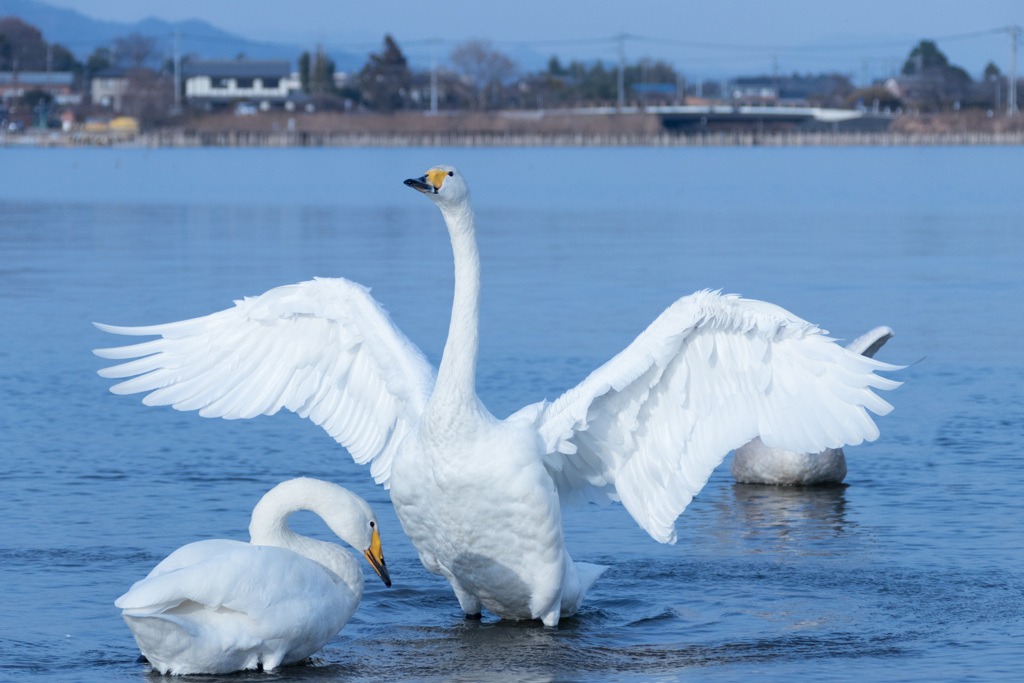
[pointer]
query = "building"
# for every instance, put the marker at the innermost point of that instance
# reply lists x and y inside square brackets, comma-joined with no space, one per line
[15,84]
[793,89]
[109,86]
[222,82]
[760,90]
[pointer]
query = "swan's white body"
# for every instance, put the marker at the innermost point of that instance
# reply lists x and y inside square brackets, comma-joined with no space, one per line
[755,463]
[219,606]
[480,497]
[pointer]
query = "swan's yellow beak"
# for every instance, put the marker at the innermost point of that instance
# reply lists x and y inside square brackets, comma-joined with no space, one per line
[376,559]
[429,183]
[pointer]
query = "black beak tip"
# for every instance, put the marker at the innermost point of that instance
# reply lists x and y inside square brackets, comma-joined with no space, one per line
[383,573]
[409,183]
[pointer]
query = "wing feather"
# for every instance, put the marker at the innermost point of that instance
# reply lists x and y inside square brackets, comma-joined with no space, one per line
[323,349]
[708,375]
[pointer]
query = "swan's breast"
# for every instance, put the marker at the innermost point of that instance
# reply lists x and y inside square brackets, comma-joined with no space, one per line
[484,510]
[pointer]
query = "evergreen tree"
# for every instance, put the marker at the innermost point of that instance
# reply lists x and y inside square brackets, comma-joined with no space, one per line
[22,47]
[925,55]
[321,76]
[304,71]
[99,60]
[384,79]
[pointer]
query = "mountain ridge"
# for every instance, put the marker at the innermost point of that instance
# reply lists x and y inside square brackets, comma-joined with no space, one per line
[82,34]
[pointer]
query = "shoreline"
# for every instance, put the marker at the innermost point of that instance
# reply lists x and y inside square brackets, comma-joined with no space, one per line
[178,138]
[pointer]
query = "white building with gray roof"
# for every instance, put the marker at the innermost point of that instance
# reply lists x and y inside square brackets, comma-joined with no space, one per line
[226,81]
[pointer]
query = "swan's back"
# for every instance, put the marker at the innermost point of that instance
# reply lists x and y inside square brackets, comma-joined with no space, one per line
[222,606]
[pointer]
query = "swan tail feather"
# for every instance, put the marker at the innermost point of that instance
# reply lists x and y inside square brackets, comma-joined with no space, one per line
[589,574]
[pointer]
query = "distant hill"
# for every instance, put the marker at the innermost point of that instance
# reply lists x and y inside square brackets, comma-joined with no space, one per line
[82,34]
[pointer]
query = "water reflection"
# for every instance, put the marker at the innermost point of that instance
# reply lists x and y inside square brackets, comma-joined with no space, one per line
[793,519]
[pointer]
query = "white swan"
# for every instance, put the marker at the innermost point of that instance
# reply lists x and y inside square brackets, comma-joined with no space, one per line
[480,497]
[219,606]
[755,463]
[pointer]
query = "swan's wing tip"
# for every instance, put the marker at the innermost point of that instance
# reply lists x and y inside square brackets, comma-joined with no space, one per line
[871,341]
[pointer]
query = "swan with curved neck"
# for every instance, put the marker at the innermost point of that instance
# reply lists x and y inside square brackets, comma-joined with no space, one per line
[480,497]
[219,606]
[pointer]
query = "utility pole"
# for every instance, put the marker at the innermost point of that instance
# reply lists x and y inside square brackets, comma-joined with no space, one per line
[1011,95]
[177,73]
[433,76]
[622,71]
[49,61]
[775,77]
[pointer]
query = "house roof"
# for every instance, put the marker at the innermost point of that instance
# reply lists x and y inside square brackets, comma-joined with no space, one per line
[239,68]
[37,77]
[111,72]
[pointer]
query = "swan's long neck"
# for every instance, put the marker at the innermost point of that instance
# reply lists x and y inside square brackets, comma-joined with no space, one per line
[455,391]
[269,525]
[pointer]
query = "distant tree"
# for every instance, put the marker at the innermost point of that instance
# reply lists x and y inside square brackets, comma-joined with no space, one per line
[149,96]
[483,67]
[304,71]
[25,48]
[99,60]
[555,67]
[22,47]
[925,55]
[63,59]
[135,49]
[598,83]
[992,72]
[321,75]
[938,82]
[385,79]
[35,97]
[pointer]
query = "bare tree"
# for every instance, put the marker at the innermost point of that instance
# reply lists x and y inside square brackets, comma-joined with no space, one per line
[149,96]
[136,49]
[482,66]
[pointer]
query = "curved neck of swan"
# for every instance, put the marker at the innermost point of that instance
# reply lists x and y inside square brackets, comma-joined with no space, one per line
[456,378]
[335,505]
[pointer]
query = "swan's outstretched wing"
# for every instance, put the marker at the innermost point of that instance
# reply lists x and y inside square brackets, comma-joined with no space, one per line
[324,349]
[711,373]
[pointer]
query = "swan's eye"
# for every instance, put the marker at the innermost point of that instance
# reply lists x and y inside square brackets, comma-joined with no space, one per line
[451,173]
[371,525]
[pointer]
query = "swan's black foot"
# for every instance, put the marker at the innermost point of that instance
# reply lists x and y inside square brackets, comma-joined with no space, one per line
[475,616]
[142,660]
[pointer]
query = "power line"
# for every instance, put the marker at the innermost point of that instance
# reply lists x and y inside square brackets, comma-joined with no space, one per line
[805,48]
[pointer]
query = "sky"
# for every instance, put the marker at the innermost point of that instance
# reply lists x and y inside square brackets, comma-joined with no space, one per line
[818,26]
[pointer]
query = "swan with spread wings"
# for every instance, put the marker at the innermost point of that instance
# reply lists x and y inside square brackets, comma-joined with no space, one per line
[480,497]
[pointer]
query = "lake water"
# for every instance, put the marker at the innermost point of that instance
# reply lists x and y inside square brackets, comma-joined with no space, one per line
[911,572]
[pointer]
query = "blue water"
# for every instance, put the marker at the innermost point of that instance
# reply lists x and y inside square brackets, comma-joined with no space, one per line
[911,572]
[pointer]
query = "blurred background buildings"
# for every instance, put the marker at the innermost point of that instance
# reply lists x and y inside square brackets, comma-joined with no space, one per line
[69,71]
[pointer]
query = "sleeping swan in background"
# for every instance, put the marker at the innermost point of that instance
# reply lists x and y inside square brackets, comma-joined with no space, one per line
[219,606]
[480,497]
[755,463]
